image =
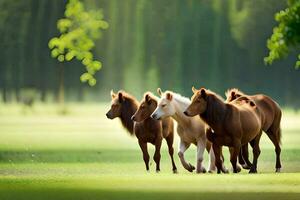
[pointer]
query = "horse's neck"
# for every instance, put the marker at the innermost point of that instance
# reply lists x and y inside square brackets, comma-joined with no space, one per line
[126,118]
[214,113]
[179,116]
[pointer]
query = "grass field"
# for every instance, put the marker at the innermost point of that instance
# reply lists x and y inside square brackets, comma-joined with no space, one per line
[82,155]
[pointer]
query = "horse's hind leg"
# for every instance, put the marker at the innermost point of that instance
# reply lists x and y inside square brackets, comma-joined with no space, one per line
[241,159]
[201,144]
[234,152]
[183,146]
[146,156]
[170,140]
[157,156]
[273,135]
[245,156]
[256,152]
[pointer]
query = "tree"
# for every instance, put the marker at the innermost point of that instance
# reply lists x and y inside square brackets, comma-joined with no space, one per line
[286,35]
[79,29]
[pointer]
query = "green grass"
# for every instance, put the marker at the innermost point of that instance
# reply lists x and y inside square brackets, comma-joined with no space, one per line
[82,155]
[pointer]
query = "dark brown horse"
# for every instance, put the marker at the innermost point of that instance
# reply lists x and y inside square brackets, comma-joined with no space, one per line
[234,124]
[270,118]
[153,131]
[123,106]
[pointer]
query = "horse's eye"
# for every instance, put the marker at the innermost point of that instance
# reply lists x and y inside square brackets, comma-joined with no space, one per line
[164,105]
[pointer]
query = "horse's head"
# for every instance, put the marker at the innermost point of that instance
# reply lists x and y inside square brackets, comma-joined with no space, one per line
[199,103]
[165,106]
[146,108]
[116,105]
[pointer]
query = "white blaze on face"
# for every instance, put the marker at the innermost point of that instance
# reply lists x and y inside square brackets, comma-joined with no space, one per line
[163,109]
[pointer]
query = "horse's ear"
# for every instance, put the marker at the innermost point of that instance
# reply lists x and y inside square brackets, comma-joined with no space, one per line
[147,98]
[232,93]
[194,89]
[203,93]
[169,96]
[252,104]
[112,94]
[159,91]
[121,97]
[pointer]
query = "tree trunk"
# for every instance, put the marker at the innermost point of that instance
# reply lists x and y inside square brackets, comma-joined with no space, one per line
[61,89]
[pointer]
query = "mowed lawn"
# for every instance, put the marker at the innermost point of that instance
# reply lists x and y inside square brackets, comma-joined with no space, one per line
[83,155]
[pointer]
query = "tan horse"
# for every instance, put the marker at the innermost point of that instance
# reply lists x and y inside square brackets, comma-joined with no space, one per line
[151,134]
[191,130]
[234,124]
[123,106]
[270,116]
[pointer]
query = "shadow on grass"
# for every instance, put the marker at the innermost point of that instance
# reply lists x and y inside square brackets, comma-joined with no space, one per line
[114,156]
[71,156]
[89,194]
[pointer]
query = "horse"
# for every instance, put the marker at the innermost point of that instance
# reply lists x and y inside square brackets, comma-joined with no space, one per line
[124,106]
[191,130]
[234,124]
[153,131]
[270,115]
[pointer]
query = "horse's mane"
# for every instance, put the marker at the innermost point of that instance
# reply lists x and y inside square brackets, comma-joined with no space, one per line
[129,107]
[229,92]
[215,108]
[179,97]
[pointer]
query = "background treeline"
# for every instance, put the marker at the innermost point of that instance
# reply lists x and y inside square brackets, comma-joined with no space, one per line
[172,44]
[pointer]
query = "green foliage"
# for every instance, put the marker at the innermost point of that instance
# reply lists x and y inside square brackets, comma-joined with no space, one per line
[287,34]
[79,29]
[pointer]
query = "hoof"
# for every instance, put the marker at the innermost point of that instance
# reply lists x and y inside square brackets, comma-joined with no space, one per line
[225,171]
[278,170]
[238,169]
[252,171]
[175,171]
[212,170]
[158,170]
[202,170]
[245,166]
[191,168]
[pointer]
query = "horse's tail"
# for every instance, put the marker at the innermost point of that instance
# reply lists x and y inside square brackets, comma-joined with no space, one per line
[278,121]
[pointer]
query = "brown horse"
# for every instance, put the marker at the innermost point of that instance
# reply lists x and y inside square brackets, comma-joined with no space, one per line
[123,106]
[153,131]
[270,116]
[234,124]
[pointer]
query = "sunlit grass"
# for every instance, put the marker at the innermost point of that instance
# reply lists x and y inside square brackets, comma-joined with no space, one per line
[82,155]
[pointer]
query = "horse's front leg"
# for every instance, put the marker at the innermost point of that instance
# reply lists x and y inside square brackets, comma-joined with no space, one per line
[183,146]
[157,156]
[201,144]
[146,157]
[217,150]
